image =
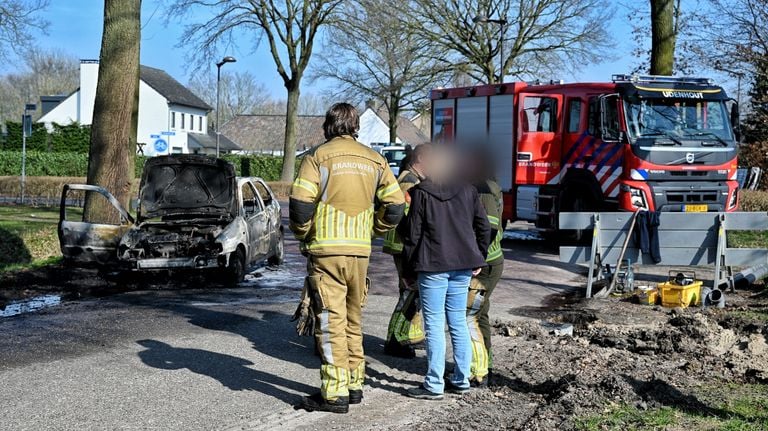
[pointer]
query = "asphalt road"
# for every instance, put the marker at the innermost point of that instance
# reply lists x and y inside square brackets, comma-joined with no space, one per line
[220,358]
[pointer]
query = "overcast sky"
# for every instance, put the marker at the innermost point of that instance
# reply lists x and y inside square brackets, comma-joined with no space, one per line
[76,26]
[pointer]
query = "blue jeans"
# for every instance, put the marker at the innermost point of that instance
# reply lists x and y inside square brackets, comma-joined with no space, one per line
[444,295]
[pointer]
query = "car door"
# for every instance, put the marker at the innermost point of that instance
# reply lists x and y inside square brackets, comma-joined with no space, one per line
[255,219]
[274,217]
[90,241]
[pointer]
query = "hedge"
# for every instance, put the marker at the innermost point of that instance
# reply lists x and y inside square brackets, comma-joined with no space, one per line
[70,164]
[70,138]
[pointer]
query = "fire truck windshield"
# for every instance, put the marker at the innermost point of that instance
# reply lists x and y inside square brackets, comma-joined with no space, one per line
[672,121]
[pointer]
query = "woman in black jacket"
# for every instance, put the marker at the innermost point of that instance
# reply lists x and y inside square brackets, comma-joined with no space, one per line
[445,238]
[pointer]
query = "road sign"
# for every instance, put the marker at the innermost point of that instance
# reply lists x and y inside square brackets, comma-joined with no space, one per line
[30,107]
[161,146]
[26,122]
[168,133]
[154,136]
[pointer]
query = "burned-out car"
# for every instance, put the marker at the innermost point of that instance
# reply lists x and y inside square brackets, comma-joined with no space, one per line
[193,213]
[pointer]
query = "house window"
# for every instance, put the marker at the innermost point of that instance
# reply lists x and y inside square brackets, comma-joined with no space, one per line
[176,150]
[182,120]
[173,120]
[200,124]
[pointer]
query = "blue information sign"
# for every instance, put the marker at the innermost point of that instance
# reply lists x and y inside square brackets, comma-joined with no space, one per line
[154,136]
[168,133]
[161,146]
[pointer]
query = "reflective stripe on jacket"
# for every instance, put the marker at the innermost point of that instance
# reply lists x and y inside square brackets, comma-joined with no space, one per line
[344,194]
[493,201]
[392,242]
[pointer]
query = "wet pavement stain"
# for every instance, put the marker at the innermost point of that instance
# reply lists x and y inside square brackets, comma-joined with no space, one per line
[30,305]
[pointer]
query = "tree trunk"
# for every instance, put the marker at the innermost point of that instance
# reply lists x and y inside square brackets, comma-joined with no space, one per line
[662,37]
[393,109]
[115,112]
[289,146]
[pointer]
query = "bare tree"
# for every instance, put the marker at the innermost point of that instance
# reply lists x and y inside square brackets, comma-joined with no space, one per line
[314,104]
[115,111]
[541,37]
[18,19]
[734,33]
[375,53]
[45,72]
[241,93]
[289,27]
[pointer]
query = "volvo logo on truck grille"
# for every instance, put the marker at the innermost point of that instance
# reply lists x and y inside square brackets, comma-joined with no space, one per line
[690,157]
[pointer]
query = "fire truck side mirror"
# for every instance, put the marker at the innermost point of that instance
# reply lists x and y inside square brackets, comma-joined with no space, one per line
[736,121]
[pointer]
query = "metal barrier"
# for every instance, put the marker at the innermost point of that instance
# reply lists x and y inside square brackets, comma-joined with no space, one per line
[685,239]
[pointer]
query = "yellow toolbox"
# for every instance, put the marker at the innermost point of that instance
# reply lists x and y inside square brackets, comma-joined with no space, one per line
[681,290]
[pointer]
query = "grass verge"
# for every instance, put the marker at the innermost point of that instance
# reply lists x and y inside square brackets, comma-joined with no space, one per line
[29,237]
[738,407]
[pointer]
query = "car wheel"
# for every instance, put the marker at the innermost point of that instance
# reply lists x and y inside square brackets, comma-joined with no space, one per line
[279,256]
[236,268]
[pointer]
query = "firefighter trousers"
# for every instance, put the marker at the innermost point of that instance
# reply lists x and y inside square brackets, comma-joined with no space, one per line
[340,289]
[478,306]
[405,325]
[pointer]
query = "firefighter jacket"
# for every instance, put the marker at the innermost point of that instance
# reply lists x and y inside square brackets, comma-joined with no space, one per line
[344,193]
[392,242]
[493,201]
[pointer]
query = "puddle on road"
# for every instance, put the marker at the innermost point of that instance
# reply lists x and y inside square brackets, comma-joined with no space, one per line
[30,305]
[522,235]
[272,285]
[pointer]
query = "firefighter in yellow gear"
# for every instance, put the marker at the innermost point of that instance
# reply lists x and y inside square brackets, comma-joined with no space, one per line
[344,193]
[405,327]
[482,285]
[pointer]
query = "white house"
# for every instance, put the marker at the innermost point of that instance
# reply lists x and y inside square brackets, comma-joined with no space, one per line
[374,129]
[172,119]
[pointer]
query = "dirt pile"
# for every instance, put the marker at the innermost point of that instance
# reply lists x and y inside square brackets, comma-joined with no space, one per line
[619,354]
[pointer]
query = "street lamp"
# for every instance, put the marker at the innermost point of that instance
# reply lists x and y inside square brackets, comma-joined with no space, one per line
[26,131]
[501,22]
[227,59]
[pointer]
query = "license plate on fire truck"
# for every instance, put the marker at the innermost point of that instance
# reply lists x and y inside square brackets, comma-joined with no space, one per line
[695,208]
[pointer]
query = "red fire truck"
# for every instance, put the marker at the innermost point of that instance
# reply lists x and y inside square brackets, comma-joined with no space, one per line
[659,143]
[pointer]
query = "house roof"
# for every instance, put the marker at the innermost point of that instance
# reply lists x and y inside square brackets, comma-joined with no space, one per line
[170,88]
[201,140]
[406,130]
[266,133]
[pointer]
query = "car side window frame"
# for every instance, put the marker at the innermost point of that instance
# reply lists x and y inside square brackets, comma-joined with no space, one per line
[269,196]
[259,205]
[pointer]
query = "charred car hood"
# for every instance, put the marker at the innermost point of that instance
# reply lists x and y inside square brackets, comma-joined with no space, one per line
[187,186]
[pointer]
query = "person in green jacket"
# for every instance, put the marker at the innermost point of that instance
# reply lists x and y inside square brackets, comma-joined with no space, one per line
[405,326]
[483,284]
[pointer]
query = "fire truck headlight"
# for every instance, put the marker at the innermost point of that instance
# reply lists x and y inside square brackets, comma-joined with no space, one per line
[733,199]
[636,196]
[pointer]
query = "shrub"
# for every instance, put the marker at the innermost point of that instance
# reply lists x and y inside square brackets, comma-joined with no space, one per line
[43,163]
[755,155]
[72,164]
[753,200]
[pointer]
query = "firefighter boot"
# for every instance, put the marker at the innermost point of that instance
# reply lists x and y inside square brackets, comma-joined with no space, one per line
[316,403]
[393,348]
[356,380]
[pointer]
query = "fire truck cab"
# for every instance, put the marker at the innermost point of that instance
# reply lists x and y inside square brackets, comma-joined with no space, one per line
[658,143]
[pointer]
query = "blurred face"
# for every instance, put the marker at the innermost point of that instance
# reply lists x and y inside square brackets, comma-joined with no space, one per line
[440,166]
